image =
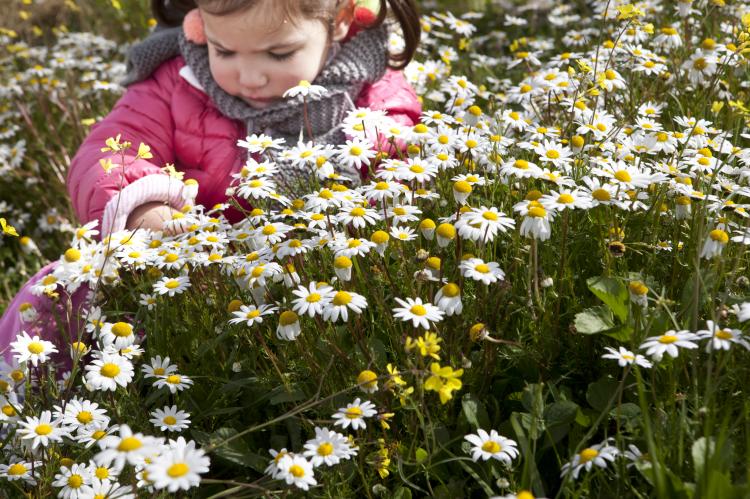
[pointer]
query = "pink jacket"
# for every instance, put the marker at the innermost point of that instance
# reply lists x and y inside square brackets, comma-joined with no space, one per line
[170,113]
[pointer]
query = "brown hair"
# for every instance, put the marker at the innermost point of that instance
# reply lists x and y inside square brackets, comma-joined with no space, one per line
[172,12]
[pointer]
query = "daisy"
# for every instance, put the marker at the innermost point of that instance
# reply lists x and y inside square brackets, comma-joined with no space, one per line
[305,89]
[355,153]
[103,474]
[597,455]
[520,168]
[42,430]
[256,188]
[404,213]
[483,224]
[668,342]
[120,335]
[448,299]
[170,419]
[289,327]
[179,467]
[536,223]
[700,67]
[340,303]
[80,413]
[624,175]
[35,350]
[721,338]
[174,382]
[109,371]
[328,447]
[418,312]
[147,300]
[358,217]
[172,285]
[295,470]
[714,244]
[378,191]
[566,199]
[250,314]
[403,233]
[479,270]
[417,170]
[158,367]
[354,414]
[625,357]
[94,434]
[18,469]
[352,247]
[125,447]
[492,446]
[554,153]
[312,300]
[75,481]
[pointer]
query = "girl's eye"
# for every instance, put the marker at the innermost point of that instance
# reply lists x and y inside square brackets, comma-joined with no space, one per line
[281,57]
[223,53]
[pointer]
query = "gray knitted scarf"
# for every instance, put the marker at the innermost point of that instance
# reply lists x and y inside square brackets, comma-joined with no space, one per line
[359,61]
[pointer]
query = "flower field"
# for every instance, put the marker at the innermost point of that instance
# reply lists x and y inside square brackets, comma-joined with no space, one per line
[541,290]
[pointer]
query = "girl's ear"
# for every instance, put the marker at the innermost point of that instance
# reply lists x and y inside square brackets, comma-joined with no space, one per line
[343,21]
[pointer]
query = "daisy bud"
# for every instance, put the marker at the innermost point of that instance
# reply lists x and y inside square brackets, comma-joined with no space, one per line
[234,305]
[368,381]
[432,265]
[472,115]
[380,238]
[27,312]
[17,375]
[28,245]
[577,142]
[190,189]
[461,191]
[72,255]
[78,349]
[445,234]
[547,282]
[427,227]
[237,367]
[343,267]
[289,327]
[478,332]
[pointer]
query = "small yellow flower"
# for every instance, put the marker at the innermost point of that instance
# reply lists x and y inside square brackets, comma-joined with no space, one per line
[7,228]
[444,380]
[144,151]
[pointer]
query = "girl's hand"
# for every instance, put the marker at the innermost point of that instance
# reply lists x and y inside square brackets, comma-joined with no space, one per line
[150,216]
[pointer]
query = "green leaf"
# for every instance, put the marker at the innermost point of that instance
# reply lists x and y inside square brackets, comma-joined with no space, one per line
[600,392]
[235,451]
[599,320]
[707,458]
[613,292]
[421,455]
[560,413]
[594,320]
[628,413]
[474,411]
[402,493]
[294,396]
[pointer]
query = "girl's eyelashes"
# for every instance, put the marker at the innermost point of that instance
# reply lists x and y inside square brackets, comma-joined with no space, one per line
[281,57]
[278,57]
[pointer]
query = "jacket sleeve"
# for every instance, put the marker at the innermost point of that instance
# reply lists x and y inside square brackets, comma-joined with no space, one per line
[141,115]
[392,93]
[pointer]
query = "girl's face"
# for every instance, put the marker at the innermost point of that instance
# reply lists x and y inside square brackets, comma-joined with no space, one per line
[257,58]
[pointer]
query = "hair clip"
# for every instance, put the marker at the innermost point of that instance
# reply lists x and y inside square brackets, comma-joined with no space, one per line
[192,26]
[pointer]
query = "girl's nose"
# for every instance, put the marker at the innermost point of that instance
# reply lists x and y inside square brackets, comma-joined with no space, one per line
[252,79]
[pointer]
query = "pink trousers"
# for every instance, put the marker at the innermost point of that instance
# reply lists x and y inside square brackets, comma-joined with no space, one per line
[49,314]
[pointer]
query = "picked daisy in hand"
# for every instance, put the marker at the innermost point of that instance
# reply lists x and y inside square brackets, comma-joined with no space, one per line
[418,312]
[625,357]
[491,446]
[35,350]
[354,414]
[669,342]
[328,447]
[305,89]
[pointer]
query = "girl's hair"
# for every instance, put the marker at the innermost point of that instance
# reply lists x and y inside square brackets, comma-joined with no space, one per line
[172,12]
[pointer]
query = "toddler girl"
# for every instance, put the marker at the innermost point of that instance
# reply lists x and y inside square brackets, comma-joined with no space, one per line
[214,72]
